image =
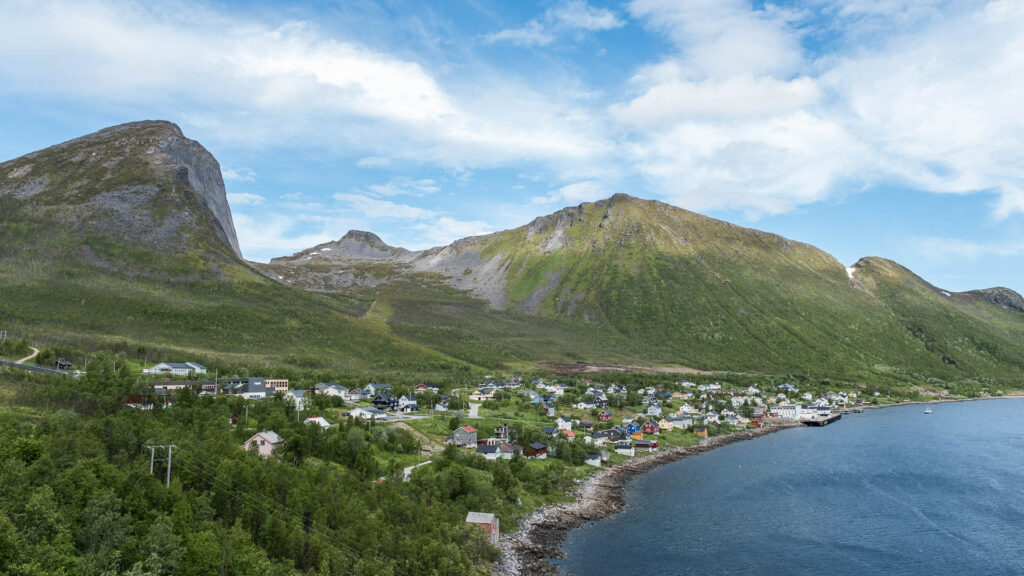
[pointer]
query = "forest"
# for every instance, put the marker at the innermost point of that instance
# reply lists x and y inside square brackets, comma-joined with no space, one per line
[77,496]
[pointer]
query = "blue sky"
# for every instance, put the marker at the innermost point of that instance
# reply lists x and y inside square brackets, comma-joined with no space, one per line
[865,127]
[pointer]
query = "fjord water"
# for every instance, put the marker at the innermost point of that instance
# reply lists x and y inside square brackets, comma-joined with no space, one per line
[893,491]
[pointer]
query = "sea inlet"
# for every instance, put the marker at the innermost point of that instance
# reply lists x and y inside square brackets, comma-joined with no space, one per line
[893,491]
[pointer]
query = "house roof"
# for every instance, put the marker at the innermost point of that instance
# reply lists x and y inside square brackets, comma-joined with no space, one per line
[537,446]
[480,518]
[270,436]
[569,433]
[488,449]
[549,430]
[469,429]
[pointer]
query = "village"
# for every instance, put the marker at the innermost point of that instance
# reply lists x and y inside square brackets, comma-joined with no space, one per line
[607,419]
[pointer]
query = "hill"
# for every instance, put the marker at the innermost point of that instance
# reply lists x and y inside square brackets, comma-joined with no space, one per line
[124,239]
[661,285]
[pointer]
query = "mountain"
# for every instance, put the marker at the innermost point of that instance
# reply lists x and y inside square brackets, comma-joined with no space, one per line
[141,183]
[668,286]
[124,238]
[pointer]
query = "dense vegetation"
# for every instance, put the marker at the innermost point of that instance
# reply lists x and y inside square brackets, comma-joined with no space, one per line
[76,495]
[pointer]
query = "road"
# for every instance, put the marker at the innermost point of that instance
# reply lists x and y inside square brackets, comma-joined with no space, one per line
[407,471]
[35,352]
[474,410]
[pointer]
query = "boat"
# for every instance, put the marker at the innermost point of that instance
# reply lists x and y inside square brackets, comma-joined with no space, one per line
[927,410]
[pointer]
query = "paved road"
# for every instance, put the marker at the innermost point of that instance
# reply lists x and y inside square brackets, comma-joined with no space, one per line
[35,352]
[474,410]
[407,471]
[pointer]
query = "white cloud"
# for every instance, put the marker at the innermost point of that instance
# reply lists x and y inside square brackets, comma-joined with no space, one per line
[675,99]
[382,209]
[938,249]
[445,230]
[568,15]
[533,34]
[578,15]
[767,166]
[270,235]
[739,117]
[239,82]
[575,193]
[404,186]
[245,199]
[722,38]
[237,175]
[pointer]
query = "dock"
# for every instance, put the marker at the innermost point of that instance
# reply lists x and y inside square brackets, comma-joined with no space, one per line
[822,421]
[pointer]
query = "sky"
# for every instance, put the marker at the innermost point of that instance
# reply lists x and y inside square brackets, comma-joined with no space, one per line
[864,127]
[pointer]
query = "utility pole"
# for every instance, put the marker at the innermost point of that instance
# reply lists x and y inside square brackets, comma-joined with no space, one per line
[153,458]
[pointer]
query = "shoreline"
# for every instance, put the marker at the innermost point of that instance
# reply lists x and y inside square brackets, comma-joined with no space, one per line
[542,532]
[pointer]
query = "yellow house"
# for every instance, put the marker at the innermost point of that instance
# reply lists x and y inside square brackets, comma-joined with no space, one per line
[665,424]
[638,435]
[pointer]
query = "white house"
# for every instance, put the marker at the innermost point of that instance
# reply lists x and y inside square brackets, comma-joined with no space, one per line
[296,397]
[331,389]
[369,413]
[319,421]
[563,423]
[176,368]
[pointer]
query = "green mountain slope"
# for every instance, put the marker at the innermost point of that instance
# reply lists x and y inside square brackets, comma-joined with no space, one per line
[655,284]
[125,237]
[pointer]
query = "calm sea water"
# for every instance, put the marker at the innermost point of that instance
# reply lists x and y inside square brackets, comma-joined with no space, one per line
[892,491]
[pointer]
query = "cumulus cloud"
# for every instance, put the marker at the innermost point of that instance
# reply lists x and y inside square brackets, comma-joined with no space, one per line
[741,117]
[237,175]
[240,82]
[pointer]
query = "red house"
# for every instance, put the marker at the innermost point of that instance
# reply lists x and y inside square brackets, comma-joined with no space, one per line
[604,416]
[650,427]
[487,522]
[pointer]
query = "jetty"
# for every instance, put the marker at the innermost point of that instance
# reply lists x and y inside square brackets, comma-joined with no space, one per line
[823,421]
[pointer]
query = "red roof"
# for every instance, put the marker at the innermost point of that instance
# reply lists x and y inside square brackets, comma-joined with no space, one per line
[468,429]
[569,433]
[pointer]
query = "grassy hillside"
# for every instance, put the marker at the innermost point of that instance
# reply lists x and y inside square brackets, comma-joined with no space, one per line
[100,246]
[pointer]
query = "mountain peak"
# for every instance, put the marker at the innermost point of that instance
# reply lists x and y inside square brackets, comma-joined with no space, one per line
[134,181]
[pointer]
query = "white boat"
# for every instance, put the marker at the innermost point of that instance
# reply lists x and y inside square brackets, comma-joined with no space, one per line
[927,410]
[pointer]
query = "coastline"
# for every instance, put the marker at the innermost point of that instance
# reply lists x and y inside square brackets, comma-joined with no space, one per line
[541,534]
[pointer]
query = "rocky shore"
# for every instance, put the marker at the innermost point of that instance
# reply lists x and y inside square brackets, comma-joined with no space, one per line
[541,534]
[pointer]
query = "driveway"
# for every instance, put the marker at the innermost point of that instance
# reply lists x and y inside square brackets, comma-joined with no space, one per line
[35,352]
[474,410]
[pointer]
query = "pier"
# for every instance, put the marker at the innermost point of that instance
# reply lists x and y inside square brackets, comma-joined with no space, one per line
[822,421]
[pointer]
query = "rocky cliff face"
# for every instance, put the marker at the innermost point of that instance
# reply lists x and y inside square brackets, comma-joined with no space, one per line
[135,181]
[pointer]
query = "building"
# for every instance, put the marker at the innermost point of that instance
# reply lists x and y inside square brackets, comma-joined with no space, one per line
[487,522]
[296,397]
[593,460]
[538,450]
[374,388]
[319,421]
[650,427]
[424,388]
[407,403]
[369,413]
[330,389]
[265,442]
[700,431]
[465,436]
[176,368]
[385,401]
[604,416]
